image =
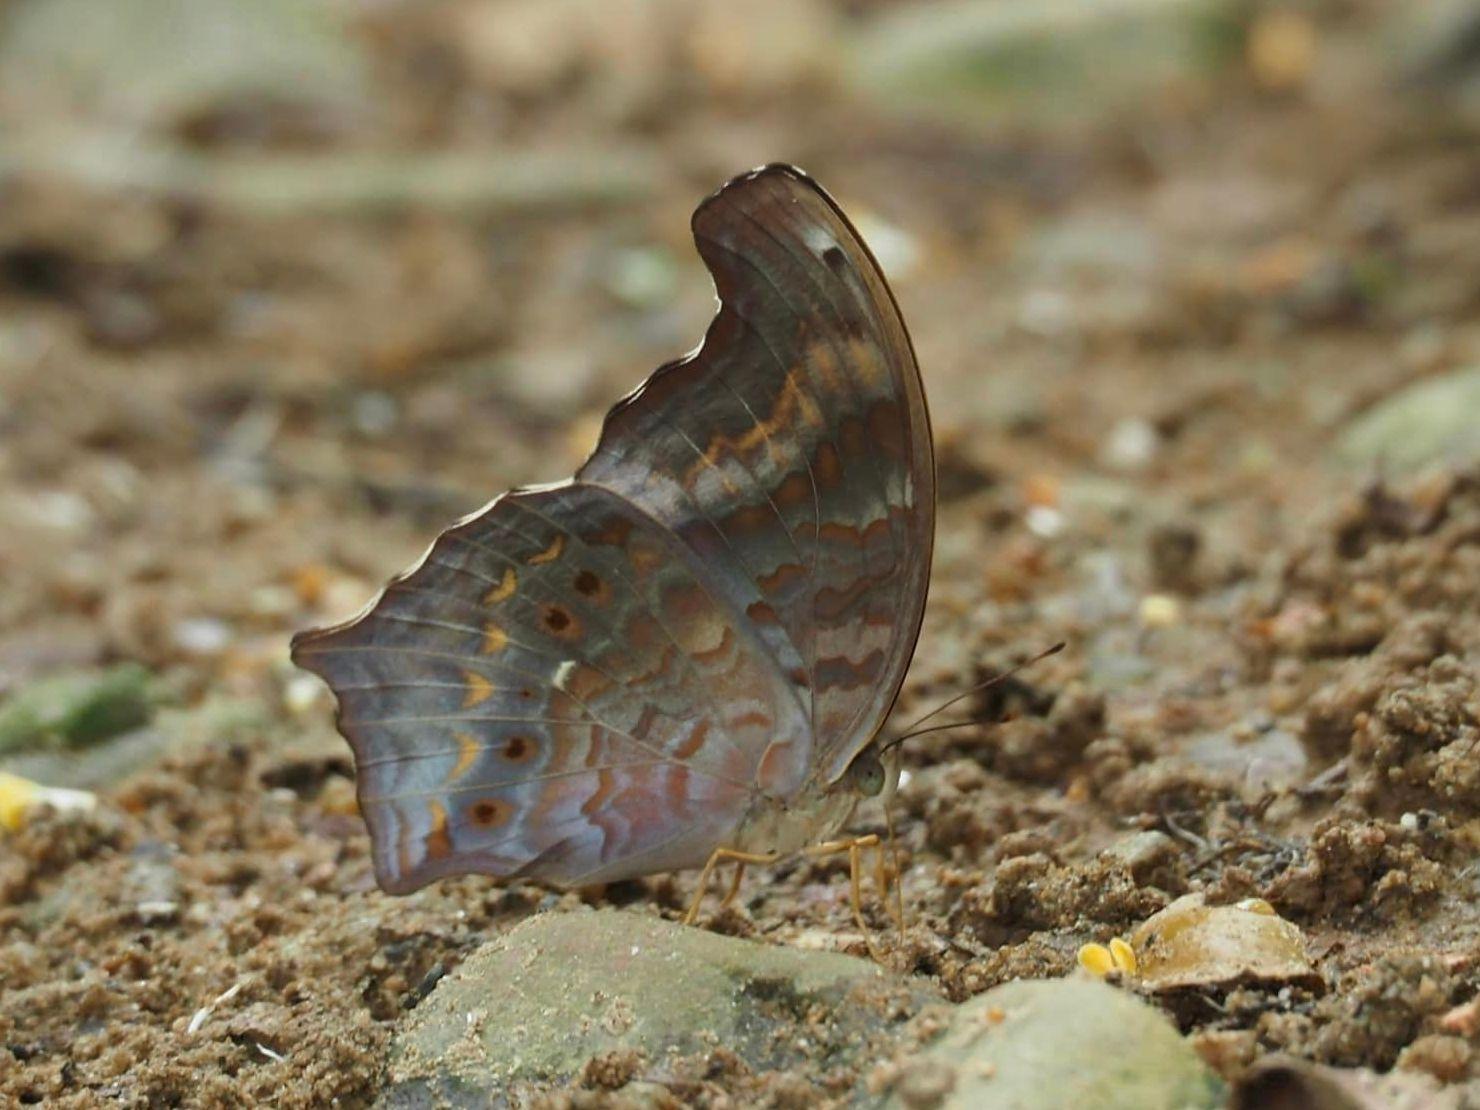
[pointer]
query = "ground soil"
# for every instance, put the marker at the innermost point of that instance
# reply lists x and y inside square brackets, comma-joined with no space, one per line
[1141,341]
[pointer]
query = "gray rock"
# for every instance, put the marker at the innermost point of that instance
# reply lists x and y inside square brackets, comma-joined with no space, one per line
[75,709]
[1430,421]
[106,763]
[1147,855]
[1271,760]
[1057,1043]
[559,989]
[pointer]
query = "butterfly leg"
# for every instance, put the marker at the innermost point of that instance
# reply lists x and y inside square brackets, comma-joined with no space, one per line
[854,848]
[885,887]
[734,884]
[896,909]
[718,856]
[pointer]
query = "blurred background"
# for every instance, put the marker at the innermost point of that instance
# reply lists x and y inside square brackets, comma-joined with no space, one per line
[288,285]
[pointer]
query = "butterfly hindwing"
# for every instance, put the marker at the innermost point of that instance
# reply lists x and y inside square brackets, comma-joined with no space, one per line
[552,692]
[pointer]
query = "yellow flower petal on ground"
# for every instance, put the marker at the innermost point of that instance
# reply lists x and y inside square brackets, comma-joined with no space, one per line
[19,797]
[1123,955]
[1097,960]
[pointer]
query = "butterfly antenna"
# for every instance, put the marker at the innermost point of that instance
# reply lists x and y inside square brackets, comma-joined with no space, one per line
[898,740]
[910,730]
[988,684]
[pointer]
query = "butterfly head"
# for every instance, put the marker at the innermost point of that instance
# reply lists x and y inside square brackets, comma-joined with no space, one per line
[874,771]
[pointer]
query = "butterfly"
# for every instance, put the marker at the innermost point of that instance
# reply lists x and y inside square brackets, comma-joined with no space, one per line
[688,649]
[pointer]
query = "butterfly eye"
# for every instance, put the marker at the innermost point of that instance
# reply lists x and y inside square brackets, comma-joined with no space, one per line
[868,774]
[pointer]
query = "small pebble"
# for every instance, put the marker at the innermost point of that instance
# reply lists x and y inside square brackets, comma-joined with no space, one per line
[1046,312]
[374,413]
[59,509]
[1044,521]
[202,635]
[274,601]
[156,913]
[1160,611]
[1131,446]
[302,693]
[925,1084]
[642,277]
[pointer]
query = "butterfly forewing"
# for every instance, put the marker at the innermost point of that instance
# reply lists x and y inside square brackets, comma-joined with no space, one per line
[793,452]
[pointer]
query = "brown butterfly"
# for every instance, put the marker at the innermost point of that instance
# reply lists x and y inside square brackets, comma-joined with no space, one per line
[685,652]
